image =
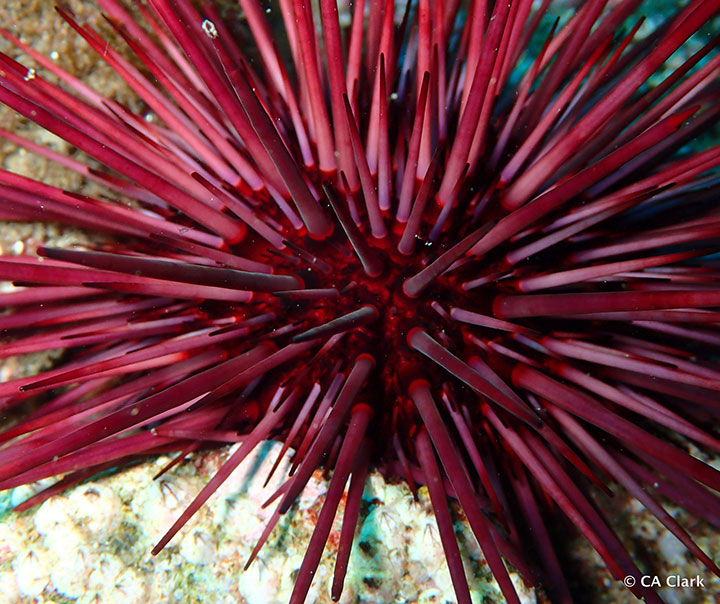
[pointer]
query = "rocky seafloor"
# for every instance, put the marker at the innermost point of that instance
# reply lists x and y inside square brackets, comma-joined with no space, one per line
[92,543]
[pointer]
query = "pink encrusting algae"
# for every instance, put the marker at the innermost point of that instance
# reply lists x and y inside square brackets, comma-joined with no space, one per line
[386,248]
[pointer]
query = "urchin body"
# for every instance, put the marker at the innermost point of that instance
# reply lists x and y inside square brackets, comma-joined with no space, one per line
[384,258]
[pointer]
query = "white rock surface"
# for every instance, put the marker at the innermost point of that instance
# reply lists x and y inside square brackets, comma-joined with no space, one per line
[92,544]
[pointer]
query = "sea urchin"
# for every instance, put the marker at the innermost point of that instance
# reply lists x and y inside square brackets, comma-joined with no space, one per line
[379,240]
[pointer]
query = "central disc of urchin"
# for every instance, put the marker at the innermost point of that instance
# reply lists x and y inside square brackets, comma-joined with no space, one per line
[355,285]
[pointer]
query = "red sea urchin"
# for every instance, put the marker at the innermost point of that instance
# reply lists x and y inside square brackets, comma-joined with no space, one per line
[381,251]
